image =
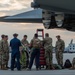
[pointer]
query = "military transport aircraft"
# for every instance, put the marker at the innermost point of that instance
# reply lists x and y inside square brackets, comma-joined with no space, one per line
[52,13]
[57,13]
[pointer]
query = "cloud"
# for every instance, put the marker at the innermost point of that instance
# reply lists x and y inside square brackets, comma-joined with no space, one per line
[25,2]
[14,4]
[4,1]
[27,26]
[2,14]
[11,7]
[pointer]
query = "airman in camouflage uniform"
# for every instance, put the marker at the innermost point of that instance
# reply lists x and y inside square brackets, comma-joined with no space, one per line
[73,63]
[6,49]
[24,40]
[25,43]
[2,53]
[60,45]
[24,53]
[48,50]
[35,54]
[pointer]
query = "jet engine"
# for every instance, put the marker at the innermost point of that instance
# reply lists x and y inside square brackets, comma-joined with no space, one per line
[69,22]
[48,19]
[58,20]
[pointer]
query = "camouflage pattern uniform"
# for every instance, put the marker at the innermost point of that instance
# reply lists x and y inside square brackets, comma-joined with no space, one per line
[24,42]
[35,52]
[35,43]
[6,50]
[73,63]
[60,45]
[48,51]
[3,59]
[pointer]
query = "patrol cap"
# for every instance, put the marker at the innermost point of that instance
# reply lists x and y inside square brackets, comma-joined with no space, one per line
[2,35]
[58,36]
[15,34]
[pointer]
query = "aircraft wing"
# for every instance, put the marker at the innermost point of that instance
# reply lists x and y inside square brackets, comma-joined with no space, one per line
[32,16]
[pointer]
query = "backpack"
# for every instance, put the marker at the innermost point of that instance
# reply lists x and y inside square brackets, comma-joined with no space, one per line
[56,66]
[67,64]
[36,43]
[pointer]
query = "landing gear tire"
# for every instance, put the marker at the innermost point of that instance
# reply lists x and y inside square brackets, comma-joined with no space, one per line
[48,19]
[60,20]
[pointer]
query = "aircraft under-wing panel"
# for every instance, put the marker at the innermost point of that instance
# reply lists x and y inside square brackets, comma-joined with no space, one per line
[52,10]
[32,16]
[56,5]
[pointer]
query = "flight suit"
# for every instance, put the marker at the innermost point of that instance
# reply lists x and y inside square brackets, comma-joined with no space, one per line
[15,44]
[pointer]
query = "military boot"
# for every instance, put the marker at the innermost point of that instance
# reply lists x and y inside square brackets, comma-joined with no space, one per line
[62,66]
[52,67]
[0,67]
[7,66]
[3,67]
[48,67]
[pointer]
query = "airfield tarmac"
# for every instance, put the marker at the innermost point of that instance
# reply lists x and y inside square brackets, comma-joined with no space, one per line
[42,72]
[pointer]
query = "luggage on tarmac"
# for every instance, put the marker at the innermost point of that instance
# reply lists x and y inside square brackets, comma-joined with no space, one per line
[67,64]
[57,67]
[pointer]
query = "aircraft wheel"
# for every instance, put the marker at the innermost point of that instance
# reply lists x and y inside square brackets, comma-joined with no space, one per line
[48,19]
[59,20]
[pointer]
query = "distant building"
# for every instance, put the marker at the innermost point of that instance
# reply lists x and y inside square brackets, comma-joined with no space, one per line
[71,47]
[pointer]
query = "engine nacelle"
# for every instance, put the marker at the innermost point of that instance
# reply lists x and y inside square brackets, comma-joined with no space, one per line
[69,22]
[51,20]
[48,19]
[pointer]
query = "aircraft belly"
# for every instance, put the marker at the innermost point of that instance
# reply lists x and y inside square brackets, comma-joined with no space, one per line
[62,4]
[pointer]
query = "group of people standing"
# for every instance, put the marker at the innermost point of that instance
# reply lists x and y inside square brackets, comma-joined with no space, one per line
[35,46]
[59,49]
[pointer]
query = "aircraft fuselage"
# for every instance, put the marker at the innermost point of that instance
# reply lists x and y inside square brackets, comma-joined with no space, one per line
[54,9]
[66,6]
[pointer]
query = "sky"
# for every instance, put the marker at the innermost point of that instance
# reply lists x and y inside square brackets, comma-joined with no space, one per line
[11,7]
